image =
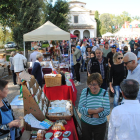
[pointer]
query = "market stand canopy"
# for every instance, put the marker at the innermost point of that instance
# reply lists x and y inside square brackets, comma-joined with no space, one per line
[107,34]
[48,31]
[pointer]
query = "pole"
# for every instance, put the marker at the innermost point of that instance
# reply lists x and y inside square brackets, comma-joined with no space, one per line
[70,53]
[24,47]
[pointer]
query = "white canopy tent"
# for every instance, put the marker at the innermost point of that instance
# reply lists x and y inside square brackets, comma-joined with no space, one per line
[108,34]
[48,31]
[126,33]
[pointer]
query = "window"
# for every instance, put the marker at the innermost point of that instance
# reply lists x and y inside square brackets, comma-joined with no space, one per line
[75,19]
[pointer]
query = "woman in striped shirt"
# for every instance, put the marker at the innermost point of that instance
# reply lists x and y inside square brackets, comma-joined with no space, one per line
[94,106]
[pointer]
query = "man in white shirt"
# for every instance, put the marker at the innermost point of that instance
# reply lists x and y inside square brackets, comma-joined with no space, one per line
[33,55]
[130,61]
[124,121]
[19,61]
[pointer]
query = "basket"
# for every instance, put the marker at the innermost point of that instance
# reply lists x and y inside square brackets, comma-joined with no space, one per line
[53,118]
[53,81]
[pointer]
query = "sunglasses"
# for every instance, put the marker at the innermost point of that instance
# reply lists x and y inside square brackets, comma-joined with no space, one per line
[120,58]
[127,62]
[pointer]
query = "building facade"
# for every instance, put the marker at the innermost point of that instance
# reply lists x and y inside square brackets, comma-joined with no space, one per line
[82,21]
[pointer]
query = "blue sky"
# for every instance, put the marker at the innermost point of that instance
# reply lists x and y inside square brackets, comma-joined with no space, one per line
[114,6]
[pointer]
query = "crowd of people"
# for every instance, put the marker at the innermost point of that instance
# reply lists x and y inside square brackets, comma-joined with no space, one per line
[116,71]
[112,70]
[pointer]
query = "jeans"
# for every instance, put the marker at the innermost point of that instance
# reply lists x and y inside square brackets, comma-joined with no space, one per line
[14,77]
[132,49]
[83,64]
[97,130]
[72,70]
[116,95]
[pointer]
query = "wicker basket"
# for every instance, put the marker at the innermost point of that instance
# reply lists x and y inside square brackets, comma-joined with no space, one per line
[53,81]
[41,51]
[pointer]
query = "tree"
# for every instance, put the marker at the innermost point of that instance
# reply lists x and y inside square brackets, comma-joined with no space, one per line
[106,23]
[8,10]
[98,23]
[28,19]
[58,14]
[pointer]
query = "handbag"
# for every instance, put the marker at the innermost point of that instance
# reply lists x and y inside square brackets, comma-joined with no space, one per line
[78,59]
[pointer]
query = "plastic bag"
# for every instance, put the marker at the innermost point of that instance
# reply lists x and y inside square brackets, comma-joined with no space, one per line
[84,56]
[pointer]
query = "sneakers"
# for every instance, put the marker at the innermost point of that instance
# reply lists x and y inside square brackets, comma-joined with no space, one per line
[78,83]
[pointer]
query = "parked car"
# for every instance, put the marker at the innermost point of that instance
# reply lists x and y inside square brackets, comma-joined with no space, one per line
[10,45]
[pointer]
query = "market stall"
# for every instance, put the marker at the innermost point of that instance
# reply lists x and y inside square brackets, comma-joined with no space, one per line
[39,117]
[48,31]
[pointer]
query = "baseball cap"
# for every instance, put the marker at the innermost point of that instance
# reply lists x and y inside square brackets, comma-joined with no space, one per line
[113,46]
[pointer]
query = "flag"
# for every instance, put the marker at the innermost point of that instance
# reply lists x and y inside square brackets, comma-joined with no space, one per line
[130,26]
[116,27]
[113,27]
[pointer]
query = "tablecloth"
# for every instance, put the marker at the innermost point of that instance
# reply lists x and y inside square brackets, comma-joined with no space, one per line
[45,70]
[61,92]
[69,127]
[65,69]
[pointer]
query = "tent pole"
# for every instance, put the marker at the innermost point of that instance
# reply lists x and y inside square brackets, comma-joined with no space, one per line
[70,53]
[24,47]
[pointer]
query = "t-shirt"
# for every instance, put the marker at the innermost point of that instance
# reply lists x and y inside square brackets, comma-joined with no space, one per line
[132,42]
[110,57]
[94,101]
[105,52]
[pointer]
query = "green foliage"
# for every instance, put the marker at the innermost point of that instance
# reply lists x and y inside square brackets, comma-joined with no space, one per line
[8,10]
[44,45]
[5,35]
[58,14]
[109,20]
[28,19]
[98,23]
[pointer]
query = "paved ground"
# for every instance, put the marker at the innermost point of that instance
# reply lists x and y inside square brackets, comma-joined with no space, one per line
[14,90]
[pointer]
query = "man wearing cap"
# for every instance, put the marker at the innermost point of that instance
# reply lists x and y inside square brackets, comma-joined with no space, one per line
[110,54]
[33,55]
